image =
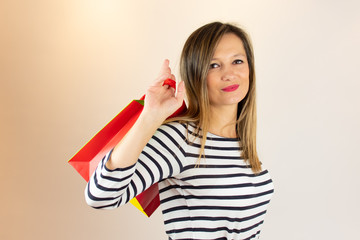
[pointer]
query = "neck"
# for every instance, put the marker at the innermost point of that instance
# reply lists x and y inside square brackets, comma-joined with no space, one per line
[223,121]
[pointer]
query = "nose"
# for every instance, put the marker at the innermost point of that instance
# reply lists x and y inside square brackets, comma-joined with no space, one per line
[227,73]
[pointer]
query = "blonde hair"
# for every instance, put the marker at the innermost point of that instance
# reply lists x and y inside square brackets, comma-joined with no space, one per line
[194,66]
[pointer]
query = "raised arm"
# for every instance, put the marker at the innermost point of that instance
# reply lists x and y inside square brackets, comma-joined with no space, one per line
[116,171]
[160,102]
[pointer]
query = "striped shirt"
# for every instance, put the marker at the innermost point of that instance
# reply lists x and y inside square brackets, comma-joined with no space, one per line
[221,198]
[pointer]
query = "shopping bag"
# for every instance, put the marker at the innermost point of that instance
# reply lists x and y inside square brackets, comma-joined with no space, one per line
[87,159]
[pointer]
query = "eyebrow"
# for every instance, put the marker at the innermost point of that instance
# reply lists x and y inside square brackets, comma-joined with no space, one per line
[236,55]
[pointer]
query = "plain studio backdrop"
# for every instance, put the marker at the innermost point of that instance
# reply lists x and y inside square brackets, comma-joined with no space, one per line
[69,66]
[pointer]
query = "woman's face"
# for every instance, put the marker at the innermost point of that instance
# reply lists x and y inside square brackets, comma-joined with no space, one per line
[228,77]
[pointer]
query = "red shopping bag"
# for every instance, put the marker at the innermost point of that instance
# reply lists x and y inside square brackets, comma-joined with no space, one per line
[87,159]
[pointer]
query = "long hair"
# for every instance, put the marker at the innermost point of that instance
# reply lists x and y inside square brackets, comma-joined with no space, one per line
[194,66]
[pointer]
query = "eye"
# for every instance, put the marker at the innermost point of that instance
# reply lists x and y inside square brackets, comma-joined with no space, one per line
[238,61]
[214,65]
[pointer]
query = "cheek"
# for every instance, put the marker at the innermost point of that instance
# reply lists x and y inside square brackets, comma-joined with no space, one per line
[244,76]
[210,82]
[246,85]
[244,72]
[211,88]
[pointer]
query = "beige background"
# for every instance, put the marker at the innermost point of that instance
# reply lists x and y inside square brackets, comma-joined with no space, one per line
[68,67]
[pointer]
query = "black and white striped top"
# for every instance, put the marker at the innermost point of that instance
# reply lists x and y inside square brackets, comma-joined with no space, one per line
[220,199]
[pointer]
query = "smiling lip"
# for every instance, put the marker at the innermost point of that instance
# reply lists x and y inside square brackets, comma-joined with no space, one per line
[231,88]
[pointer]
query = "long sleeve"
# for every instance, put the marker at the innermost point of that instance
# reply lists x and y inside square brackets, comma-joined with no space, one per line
[162,157]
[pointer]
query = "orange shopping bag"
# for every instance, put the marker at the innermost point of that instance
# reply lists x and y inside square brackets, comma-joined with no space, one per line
[87,159]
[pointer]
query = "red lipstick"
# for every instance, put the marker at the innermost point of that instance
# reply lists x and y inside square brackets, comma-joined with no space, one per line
[231,88]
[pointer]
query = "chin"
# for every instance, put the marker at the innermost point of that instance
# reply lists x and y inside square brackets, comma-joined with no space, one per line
[237,100]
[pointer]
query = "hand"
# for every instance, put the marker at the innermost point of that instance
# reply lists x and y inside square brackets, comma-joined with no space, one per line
[162,101]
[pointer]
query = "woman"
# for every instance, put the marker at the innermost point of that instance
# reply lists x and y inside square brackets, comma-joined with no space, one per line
[211,182]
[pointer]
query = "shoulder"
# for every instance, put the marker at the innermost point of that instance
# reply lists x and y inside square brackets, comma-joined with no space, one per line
[171,138]
[173,129]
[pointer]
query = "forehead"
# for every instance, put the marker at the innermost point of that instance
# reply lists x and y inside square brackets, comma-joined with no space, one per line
[229,44]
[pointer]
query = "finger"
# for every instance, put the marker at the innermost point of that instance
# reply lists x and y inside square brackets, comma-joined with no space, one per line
[165,73]
[165,68]
[160,80]
[180,94]
[172,76]
[170,82]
